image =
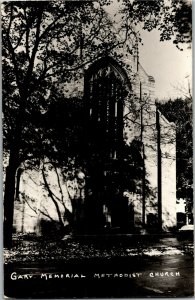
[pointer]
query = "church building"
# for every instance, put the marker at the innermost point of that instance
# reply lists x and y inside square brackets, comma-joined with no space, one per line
[128,184]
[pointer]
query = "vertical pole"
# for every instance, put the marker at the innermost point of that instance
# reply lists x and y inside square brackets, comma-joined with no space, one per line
[159,171]
[137,57]
[143,163]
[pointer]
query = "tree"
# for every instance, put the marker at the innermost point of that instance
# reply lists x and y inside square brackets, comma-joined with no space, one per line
[42,47]
[45,45]
[179,111]
[65,153]
[172,18]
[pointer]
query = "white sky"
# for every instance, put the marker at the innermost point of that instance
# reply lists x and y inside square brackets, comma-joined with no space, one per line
[168,65]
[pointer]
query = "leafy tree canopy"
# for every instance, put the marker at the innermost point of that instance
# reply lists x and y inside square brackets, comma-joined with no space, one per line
[179,111]
[173,18]
[48,43]
[45,43]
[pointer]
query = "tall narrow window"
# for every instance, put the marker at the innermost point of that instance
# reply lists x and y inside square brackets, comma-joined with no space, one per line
[106,109]
[115,113]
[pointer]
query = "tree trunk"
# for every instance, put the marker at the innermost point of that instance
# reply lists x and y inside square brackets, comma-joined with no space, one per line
[9,197]
[10,180]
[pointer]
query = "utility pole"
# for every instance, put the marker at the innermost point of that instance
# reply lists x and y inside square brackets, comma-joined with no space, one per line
[159,170]
[137,54]
[143,163]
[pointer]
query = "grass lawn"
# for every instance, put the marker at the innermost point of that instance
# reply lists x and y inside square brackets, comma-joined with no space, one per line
[29,248]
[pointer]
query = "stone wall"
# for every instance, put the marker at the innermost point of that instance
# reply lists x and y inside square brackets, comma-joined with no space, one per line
[168,148]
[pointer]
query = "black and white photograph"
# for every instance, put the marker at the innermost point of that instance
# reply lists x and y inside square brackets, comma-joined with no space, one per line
[97,149]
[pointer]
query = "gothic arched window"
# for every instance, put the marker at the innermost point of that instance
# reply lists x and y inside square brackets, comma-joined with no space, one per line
[105,89]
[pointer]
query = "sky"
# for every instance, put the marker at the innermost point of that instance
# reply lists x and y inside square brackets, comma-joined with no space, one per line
[170,67]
